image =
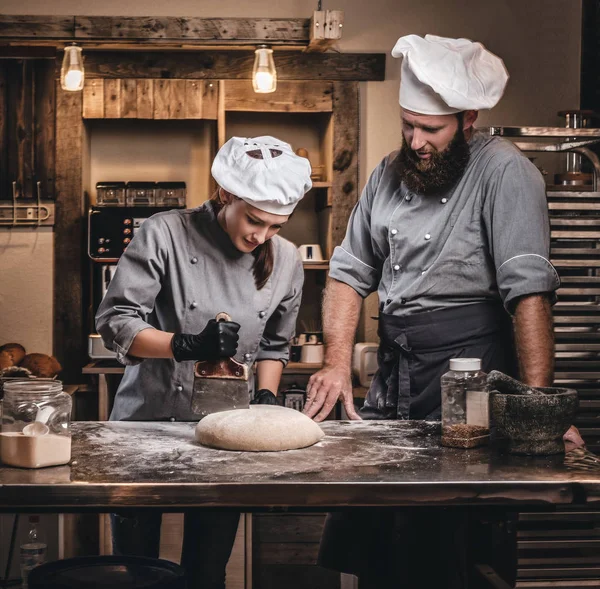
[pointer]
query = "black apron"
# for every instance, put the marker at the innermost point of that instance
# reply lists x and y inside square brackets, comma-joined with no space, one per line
[422,546]
[415,351]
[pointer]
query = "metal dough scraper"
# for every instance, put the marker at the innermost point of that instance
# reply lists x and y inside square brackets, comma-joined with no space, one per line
[220,385]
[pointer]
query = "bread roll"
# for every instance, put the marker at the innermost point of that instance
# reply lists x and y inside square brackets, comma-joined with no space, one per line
[41,365]
[15,351]
[5,360]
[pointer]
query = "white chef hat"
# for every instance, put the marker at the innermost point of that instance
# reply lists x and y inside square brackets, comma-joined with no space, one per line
[263,171]
[443,76]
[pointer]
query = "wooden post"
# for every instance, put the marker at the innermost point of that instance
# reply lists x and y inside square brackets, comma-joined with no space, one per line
[69,345]
[344,192]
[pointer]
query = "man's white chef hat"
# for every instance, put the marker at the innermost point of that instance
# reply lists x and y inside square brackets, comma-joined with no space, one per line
[442,76]
[263,171]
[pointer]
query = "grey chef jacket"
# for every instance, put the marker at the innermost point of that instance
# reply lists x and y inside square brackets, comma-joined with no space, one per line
[487,238]
[178,272]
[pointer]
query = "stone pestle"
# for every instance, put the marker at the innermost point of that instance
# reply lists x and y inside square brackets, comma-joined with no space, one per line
[503,383]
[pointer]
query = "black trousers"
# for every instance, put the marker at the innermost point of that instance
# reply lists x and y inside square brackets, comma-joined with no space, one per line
[208,539]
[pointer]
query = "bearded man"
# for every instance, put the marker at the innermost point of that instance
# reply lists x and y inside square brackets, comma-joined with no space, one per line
[452,232]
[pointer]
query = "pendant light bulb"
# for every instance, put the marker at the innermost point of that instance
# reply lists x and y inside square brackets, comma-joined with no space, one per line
[71,72]
[264,74]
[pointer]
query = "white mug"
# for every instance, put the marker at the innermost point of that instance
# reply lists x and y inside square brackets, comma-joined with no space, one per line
[311,252]
[312,353]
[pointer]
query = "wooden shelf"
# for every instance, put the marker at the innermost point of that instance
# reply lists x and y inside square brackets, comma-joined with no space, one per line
[302,368]
[321,184]
[324,265]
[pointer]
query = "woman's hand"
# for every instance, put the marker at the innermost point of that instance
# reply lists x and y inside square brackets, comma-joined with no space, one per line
[264,397]
[219,339]
[323,391]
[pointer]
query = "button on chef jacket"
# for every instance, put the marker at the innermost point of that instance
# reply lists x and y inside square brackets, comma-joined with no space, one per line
[178,272]
[486,239]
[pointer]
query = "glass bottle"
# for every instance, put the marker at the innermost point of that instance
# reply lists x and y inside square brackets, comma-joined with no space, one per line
[36,424]
[32,551]
[461,386]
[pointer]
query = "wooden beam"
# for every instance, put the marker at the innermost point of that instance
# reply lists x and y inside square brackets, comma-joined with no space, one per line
[344,191]
[136,29]
[27,52]
[45,132]
[325,29]
[69,346]
[234,65]
[36,27]
[5,187]
[194,30]
[289,97]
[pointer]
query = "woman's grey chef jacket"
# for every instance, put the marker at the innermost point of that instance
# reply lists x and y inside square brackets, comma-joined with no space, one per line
[178,272]
[488,238]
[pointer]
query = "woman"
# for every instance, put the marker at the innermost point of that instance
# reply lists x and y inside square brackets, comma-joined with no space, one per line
[181,269]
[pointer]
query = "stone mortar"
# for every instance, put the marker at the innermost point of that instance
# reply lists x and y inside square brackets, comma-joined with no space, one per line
[534,423]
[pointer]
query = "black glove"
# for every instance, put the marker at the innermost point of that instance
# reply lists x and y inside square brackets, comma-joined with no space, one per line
[264,397]
[219,339]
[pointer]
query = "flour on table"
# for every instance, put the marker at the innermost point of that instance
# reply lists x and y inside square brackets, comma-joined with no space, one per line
[262,428]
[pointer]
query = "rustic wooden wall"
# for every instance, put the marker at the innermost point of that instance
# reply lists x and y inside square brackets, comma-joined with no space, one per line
[285,549]
[27,110]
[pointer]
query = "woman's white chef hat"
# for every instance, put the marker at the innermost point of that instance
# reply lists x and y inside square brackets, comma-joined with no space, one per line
[263,171]
[442,76]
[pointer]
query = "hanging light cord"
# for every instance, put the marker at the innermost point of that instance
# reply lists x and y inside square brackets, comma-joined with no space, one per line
[319,4]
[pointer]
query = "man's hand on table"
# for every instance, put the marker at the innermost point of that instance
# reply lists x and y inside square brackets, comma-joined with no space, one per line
[573,439]
[323,391]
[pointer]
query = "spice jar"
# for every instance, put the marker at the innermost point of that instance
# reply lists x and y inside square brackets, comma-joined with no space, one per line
[36,424]
[464,404]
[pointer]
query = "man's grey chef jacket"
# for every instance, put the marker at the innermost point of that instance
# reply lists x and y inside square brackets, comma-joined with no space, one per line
[488,238]
[178,272]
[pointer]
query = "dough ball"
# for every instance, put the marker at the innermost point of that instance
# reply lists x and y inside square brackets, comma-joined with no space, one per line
[15,351]
[41,365]
[262,428]
[6,360]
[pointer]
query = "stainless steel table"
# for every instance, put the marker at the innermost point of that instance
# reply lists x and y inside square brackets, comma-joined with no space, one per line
[375,463]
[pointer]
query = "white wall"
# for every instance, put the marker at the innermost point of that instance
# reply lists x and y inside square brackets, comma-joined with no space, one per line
[26,283]
[538,39]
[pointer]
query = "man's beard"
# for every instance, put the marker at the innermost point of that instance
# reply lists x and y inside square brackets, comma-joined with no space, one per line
[437,174]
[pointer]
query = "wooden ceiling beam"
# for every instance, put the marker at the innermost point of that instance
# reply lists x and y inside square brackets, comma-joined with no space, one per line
[234,65]
[176,30]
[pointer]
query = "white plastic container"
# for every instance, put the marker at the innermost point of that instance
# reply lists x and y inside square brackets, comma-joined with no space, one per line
[464,396]
[36,426]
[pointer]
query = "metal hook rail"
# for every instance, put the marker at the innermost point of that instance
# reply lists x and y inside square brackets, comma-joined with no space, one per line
[27,214]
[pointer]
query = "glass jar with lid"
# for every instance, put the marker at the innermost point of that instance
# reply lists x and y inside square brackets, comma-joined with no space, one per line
[464,399]
[36,424]
[170,194]
[141,194]
[110,194]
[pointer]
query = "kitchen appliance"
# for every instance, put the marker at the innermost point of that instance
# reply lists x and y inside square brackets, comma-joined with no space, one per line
[110,230]
[364,362]
[311,252]
[220,385]
[574,174]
